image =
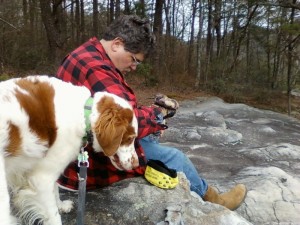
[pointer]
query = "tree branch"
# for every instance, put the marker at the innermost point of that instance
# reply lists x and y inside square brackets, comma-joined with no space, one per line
[282,3]
[4,21]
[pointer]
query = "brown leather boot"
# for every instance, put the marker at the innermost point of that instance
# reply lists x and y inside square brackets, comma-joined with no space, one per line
[231,199]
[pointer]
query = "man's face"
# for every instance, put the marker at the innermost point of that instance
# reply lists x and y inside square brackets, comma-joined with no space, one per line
[123,60]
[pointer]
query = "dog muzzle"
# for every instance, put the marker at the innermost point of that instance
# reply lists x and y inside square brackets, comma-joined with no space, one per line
[158,174]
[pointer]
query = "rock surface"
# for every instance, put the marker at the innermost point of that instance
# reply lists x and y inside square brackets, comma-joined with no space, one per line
[229,144]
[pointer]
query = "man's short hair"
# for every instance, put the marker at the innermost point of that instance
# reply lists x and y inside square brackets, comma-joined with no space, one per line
[134,31]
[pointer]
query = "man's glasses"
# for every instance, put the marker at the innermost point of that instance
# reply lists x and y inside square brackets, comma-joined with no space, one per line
[135,61]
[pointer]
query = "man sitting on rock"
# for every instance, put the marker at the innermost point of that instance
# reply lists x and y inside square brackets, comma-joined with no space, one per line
[101,66]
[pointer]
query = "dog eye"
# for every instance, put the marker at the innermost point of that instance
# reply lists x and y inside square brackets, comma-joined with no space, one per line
[130,139]
[127,140]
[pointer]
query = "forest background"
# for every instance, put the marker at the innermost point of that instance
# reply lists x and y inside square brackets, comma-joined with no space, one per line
[242,51]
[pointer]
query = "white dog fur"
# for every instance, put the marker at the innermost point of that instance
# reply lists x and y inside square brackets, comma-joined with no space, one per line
[42,124]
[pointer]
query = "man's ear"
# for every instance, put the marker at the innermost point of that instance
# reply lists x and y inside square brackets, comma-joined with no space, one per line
[116,44]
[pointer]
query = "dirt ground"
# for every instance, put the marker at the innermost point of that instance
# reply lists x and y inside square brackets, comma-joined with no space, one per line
[277,102]
[145,94]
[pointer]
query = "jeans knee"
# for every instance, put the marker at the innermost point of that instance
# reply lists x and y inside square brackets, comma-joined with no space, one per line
[178,156]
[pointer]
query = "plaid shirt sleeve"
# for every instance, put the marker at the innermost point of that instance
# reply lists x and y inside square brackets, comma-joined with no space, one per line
[89,66]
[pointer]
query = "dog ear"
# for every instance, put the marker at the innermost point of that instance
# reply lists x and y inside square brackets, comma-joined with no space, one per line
[111,127]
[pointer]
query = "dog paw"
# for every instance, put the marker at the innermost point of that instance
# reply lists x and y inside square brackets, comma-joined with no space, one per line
[65,206]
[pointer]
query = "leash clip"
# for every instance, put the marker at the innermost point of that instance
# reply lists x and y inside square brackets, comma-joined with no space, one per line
[83,158]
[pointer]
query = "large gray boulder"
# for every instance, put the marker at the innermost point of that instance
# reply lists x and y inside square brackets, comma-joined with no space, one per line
[134,202]
[229,144]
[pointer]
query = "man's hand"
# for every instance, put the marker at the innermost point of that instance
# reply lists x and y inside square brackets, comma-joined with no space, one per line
[168,105]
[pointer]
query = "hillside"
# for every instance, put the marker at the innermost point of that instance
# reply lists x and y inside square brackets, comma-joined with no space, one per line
[262,99]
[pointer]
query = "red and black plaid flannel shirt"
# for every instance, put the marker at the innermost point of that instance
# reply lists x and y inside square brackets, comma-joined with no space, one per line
[89,65]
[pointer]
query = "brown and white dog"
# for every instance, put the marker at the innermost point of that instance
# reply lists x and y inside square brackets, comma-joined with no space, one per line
[42,124]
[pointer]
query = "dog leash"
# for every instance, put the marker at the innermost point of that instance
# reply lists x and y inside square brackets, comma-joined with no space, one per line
[83,164]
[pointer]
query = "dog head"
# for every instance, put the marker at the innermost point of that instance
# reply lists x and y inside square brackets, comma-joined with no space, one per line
[114,127]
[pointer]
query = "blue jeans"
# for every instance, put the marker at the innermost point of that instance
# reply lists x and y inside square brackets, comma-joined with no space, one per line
[174,159]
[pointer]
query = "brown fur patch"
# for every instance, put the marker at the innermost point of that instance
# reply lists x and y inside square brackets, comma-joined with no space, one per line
[14,145]
[38,103]
[113,127]
[128,136]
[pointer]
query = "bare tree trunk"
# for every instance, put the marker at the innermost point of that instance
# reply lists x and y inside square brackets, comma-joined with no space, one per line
[53,36]
[227,41]
[242,36]
[95,17]
[268,46]
[142,9]
[82,22]
[111,11]
[174,18]
[168,23]
[157,29]
[235,25]
[118,8]
[157,25]
[32,16]
[127,8]
[191,41]
[277,58]
[276,61]
[246,77]
[77,21]
[199,46]
[59,18]
[217,24]
[168,47]
[209,35]
[25,12]
[290,61]
[72,23]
